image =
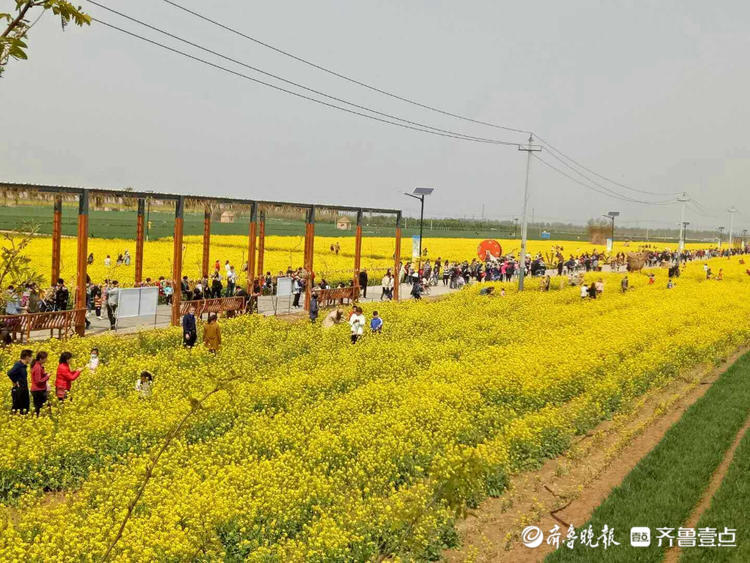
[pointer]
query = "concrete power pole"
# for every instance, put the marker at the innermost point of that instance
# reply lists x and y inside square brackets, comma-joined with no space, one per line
[683,199]
[530,148]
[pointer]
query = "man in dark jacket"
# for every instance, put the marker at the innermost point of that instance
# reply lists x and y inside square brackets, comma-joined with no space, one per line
[189,329]
[61,296]
[18,374]
[363,283]
[314,307]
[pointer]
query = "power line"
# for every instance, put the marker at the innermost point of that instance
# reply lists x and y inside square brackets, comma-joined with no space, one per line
[602,186]
[411,101]
[592,188]
[342,76]
[293,93]
[554,149]
[296,84]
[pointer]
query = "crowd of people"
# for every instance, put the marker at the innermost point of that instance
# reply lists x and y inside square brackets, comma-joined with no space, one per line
[103,298]
[452,274]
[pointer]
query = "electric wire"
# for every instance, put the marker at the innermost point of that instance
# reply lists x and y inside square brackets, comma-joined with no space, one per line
[553,149]
[602,186]
[340,75]
[595,189]
[290,82]
[405,99]
[291,92]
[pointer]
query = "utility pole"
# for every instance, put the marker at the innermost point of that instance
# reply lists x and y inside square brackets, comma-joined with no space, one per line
[732,210]
[684,225]
[682,199]
[721,233]
[530,148]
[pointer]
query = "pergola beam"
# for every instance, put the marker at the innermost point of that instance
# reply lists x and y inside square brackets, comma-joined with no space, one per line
[139,234]
[179,213]
[56,237]
[83,239]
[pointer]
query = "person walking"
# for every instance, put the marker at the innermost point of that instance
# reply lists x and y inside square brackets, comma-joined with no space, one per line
[65,376]
[416,290]
[39,381]
[357,323]
[314,309]
[363,282]
[62,295]
[18,375]
[297,288]
[212,334]
[189,328]
[624,284]
[231,281]
[113,300]
[387,284]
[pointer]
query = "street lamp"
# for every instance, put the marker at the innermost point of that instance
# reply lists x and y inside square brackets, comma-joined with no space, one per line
[515,226]
[611,215]
[420,193]
[721,234]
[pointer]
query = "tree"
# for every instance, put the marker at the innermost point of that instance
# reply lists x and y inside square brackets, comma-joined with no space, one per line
[15,266]
[14,37]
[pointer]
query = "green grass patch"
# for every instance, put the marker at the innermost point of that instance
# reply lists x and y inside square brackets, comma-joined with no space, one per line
[663,488]
[729,509]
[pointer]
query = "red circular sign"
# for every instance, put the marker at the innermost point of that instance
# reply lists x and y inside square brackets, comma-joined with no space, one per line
[489,249]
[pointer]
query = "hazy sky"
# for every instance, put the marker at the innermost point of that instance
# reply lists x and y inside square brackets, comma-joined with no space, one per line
[651,94]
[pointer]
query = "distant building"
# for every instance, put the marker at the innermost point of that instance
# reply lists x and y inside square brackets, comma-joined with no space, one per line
[227,216]
[343,223]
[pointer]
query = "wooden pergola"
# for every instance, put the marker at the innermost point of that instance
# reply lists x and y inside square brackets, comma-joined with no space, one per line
[256,236]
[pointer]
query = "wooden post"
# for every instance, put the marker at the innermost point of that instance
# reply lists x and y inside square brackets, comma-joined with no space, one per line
[56,237]
[358,248]
[308,259]
[139,232]
[179,213]
[397,260]
[83,239]
[251,247]
[261,243]
[206,240]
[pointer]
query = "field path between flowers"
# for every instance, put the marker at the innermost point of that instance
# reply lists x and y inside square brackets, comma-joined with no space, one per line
[566,490]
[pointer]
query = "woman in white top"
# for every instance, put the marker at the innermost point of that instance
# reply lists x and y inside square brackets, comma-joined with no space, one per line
[357,322]
[387,284]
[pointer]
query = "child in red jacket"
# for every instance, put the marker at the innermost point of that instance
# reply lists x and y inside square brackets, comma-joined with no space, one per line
[65,376]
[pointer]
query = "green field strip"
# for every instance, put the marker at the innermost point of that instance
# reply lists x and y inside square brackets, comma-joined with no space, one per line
[665,486]
[730,508]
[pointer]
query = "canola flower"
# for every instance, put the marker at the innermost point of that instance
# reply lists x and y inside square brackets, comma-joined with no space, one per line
[326,451]
[280,253]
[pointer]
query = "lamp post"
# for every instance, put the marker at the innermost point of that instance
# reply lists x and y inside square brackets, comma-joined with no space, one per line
[148,214]
[732,210]
[420,193]
[611,215]
[721,234]
[515,226]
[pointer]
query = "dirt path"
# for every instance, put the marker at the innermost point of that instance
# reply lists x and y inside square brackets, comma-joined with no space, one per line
[566,490]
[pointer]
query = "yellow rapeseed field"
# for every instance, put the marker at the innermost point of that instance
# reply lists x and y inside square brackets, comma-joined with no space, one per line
[281,252]
[317,450]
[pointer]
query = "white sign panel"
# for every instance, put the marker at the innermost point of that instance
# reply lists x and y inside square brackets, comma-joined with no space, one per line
[284,287]
[149,301]
[128,303]
[137,302]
